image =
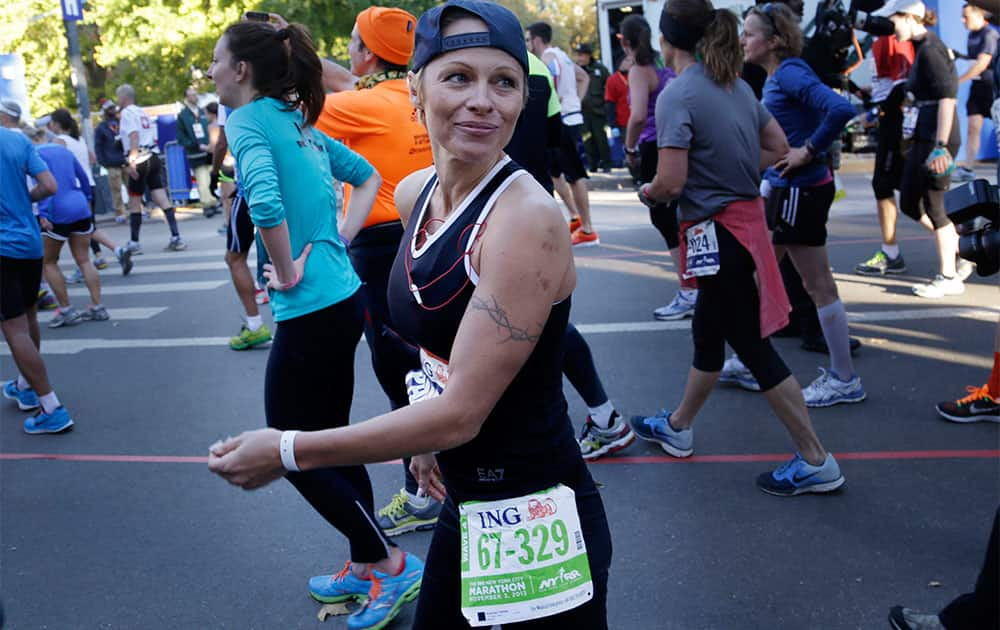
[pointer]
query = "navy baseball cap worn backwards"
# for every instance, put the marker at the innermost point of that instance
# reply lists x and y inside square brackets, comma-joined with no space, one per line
[503,32]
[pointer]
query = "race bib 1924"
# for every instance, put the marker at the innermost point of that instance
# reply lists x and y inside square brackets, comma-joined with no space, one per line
[523,558]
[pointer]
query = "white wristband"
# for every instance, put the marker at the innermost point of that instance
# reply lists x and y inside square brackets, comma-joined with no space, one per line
[288,451]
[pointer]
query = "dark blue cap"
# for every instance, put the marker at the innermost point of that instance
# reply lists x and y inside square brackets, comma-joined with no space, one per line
[504,33]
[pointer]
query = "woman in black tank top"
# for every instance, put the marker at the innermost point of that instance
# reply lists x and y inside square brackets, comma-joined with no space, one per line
[482,283]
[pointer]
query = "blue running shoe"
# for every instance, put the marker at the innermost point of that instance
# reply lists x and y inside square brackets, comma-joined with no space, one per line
[797,476]
[26,399]
[387,596]
[659,430]
[339,587]
[55,422]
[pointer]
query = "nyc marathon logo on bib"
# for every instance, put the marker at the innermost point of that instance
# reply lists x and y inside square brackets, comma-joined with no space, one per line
[523,558]
[702,249]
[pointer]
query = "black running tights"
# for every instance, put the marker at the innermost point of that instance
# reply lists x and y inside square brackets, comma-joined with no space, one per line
[308,386]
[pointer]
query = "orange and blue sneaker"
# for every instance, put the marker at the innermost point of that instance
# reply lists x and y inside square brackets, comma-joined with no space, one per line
[585,239]
[339,587]
[388,594]
[978,406]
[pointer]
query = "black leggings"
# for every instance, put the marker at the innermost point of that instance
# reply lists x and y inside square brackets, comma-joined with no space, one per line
[440,604]
[728,310]
[663,216]
[919,192]
[980,608]
[578,366]
[372,252]
[309,384]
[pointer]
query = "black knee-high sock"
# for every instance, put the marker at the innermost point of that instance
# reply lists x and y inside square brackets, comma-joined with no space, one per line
[95,247]
[134,223]
[171,221]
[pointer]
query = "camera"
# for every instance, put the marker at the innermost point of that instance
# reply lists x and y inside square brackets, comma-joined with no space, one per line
[974,208]
[829,48]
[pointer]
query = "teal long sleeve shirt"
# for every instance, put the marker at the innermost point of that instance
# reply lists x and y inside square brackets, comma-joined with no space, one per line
[287,170]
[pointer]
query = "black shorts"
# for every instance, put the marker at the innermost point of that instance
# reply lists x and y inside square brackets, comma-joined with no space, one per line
[980,99]
[798,214]
[920,193]
[150,176]
[62,231]
[566,160]
[239,236]
[20,279]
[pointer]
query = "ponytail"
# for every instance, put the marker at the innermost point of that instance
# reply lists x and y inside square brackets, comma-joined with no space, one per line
[635,30]
[284,64]
[930,18]
[720,48]
[64,119]
[712,34]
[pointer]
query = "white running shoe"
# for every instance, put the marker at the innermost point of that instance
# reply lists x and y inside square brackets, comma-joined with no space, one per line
[828,390]
[735,373]
[680,307]
[939,287]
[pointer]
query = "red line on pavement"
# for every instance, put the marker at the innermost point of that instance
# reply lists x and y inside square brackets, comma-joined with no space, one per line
[639,459]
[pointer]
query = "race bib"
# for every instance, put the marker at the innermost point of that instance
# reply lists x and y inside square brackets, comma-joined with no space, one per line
[429,381]
[702,250]
[522,558]
[910,115]
[199,131]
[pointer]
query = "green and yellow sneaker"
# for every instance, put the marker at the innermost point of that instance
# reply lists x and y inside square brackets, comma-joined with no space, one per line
[249,338]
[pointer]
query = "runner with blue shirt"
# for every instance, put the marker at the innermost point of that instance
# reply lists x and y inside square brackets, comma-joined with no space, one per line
[66,217]
[272,79]
[20,277]
[800,189]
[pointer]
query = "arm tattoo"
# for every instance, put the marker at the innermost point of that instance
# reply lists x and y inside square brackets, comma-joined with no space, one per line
[500,318]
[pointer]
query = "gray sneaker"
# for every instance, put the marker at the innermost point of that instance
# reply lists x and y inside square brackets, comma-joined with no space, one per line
[401,515]
[735,373]
[596,442]
[75,278]
[68,316]
[124,255]
[95,314]
[135,248]
[963,174]
[176,244]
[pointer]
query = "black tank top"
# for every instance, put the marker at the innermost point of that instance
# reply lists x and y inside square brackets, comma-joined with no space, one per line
[526,443]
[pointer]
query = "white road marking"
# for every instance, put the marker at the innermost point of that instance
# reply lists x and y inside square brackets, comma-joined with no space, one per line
[161,287]
[52,345]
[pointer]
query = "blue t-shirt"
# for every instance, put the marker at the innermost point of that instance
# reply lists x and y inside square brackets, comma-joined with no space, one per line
[985,40]
[70,204]
[20,236]
[806,109]
[287,170]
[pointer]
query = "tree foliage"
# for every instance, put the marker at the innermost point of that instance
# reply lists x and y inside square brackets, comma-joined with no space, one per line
[162,46]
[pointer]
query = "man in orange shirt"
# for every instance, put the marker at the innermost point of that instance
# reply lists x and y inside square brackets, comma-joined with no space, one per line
[369,110]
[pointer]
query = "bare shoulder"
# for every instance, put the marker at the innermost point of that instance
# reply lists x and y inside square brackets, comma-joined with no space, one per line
[408,190]
[528,214]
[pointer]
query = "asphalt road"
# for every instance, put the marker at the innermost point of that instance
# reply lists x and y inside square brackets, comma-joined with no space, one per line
[118,524]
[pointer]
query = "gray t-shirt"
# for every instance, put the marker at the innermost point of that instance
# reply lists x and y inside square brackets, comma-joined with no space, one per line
[720,127]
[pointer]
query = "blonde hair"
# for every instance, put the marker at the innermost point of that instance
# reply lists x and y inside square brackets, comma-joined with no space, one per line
[719,46]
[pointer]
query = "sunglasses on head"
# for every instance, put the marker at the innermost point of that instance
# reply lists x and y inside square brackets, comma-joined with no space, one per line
[767,10]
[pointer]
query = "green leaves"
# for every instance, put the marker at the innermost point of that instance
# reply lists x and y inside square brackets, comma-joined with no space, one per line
[162,46]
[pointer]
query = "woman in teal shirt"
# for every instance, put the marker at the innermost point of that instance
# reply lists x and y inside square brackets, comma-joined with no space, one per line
[273,77]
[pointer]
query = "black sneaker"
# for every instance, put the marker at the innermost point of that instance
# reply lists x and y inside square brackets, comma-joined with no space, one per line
[880,264]
[978,406]
[817,343]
